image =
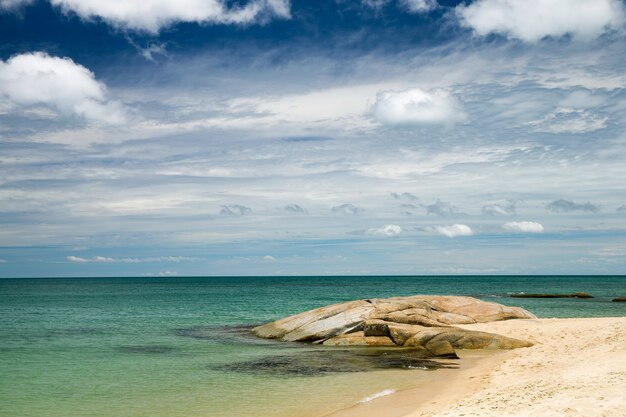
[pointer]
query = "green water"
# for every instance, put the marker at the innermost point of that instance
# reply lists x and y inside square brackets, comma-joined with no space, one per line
[172,346]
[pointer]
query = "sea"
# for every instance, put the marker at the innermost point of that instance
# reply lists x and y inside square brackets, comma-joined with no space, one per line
[178,346]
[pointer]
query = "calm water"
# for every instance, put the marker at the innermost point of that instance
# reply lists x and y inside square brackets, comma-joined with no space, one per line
[175,346]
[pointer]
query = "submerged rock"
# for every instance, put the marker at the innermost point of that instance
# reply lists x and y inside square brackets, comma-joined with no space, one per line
[424,323]
[575,295]
[323,361]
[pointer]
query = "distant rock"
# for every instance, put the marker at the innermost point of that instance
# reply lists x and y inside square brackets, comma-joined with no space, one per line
[575,295]
[619,300]
[420,322]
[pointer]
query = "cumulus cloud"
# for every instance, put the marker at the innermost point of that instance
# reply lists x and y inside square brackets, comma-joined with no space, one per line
[419,6]
[294,208]
[269,258]
[153,15]
[533,20]
[415,107]
[387,230]
[453,230]
[523,227]
[38,79]
[500,209]
[441,208]
[565,206]
[106,259]
[235,210]
[347,209]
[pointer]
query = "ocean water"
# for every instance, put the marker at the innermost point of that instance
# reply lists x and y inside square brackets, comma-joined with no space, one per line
[180,346]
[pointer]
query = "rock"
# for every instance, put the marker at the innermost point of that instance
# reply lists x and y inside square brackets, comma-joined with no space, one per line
[619,300]
[317,324]
[358,339]
[575,295]
[441,348]
[425,323]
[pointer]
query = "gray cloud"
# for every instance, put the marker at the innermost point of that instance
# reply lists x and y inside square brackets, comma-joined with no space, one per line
[622,207]
[565,206]
[347,209]
[405,195]
[441,208]
[235,210]
[294,208]
[500,209]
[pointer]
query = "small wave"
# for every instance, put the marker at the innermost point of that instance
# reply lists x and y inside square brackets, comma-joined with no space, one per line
[383,393]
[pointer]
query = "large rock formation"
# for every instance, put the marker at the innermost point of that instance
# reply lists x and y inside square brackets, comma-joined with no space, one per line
[421,322]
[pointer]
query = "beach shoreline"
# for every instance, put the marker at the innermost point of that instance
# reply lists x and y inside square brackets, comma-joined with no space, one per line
[576,367]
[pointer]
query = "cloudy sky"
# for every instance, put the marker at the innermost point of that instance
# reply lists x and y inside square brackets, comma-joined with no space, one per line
[212,137]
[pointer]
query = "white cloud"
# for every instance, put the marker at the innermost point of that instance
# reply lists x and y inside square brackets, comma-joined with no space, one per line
[375,4]
[387,230]
[106,259]
[161,274]
[13,4]
[269,258]
[153,15]
[417,107]
[523,227]
[454,230]
[36,79]
[3,261]
[533,20]
[419,6]
[564,120]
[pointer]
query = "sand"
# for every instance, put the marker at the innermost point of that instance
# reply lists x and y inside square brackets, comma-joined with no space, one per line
[577,367]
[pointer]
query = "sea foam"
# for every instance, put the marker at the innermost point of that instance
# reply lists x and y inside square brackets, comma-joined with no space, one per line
[382,393]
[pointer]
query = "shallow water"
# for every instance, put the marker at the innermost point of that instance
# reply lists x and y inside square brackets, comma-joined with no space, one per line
[181,346]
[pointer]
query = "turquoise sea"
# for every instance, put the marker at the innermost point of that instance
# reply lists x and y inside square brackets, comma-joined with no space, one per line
[180,346]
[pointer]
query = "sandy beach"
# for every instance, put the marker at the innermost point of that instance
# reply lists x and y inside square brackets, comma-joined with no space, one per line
[577,367]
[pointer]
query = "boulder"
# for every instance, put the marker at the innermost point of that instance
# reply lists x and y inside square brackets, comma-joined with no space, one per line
[619,300]
[420,322]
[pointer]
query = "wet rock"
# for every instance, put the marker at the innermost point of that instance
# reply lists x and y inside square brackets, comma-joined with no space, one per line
[619,300]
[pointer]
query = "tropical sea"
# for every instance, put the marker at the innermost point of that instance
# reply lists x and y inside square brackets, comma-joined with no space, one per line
[181,346]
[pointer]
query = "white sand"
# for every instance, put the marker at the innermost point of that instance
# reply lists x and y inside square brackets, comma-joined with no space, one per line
[577,367]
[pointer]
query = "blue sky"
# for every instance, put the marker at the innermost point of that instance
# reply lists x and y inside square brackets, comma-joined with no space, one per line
[202,137]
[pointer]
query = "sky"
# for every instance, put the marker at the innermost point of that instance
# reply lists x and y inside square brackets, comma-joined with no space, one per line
[328,137]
